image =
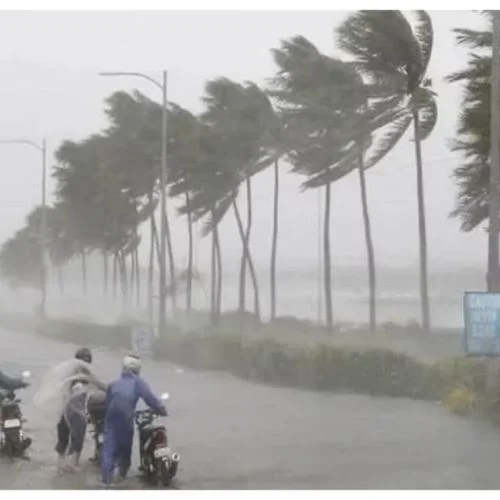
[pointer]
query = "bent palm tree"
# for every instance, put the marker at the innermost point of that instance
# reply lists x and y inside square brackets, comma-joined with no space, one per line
[473,130]
[389,52]
[330,114]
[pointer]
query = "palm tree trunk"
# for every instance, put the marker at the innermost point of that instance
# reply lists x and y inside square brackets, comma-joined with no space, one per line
[274,245]
[60,278]
[115,275]
[243,266]
[106,272]
[123,276]
[328,263]
[189,288]
[84,273]
[219,275]
[171,259]
[132,274]
[249,259]
[156,242]
[369,245]
[213,284]
[137,278]
[424,287]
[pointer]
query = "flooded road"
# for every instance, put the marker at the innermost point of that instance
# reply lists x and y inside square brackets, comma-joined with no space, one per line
[232,434]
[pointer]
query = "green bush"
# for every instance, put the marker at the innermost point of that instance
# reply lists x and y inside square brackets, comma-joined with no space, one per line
[321,367]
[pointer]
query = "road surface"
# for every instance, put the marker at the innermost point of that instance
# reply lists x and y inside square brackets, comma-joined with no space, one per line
[233,434]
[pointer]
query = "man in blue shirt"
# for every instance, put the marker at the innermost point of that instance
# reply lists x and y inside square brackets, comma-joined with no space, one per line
[121,400]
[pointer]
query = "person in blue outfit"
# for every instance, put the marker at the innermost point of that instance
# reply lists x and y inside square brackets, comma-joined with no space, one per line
[121,400]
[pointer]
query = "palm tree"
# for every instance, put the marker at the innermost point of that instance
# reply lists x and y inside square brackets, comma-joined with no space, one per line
[101,213]
[388,51]
[183,160]
[241,115]
[330,114]
[473,130]
[20,258]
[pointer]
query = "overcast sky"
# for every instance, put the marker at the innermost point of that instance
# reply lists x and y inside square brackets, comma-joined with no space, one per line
[48,69]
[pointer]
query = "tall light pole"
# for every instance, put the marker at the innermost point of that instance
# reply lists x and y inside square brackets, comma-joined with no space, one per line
[494,195]
[163,183]
[43,223]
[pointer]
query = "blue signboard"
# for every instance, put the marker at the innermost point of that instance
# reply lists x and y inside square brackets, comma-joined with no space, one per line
[142,339]
[482,323]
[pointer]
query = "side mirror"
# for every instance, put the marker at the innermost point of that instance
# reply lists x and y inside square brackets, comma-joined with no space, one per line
[165,396]
[26,374]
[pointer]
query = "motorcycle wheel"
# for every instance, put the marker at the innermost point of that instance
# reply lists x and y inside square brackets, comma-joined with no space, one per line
[163,475]
[13,443]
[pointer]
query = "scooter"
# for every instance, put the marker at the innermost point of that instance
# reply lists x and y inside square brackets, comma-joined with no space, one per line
[159,463]
[13,442]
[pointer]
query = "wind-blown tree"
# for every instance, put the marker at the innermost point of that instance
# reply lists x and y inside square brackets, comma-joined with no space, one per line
[388,51]
[134,136]
[101,214]
[330,113]
[60,241]
[473,129]
[20,260]
[21,257]
[244,120]
[229,114]
[184,157]
[213,186]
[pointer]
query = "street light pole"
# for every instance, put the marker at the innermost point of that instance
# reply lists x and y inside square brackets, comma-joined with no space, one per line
[43,223]
[163,183]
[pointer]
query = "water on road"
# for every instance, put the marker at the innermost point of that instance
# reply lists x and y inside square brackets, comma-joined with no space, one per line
[233,434]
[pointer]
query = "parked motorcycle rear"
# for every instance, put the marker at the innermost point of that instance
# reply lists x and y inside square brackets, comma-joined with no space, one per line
[13,442]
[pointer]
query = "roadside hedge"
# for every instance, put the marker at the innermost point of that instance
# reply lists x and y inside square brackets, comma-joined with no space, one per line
[322,367]
[460,383]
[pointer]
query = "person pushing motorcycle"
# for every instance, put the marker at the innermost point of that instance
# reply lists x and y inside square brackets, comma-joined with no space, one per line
[72,425]
[121,400]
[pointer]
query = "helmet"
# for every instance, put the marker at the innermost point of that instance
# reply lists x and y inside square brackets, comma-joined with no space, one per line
[132,363]
[84,354]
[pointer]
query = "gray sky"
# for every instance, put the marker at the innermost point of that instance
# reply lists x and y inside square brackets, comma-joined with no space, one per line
[48,68]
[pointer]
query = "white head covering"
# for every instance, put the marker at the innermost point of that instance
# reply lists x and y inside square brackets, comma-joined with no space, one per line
[132,363]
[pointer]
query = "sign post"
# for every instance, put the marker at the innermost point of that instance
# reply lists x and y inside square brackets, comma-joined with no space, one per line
[142,339]
[482,324]
[482,331]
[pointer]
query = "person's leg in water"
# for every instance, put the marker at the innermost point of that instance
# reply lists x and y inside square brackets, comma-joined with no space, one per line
[109,454]
[78,426]
[62,439]
[125,452]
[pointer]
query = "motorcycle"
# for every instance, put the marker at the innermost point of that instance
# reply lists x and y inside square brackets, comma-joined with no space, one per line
[96,412]
[13,442]
[159,463]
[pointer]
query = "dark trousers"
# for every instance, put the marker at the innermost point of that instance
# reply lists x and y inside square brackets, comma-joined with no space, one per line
[71,430]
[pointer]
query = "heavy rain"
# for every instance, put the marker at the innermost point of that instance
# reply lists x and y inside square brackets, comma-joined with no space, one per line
[288,242]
